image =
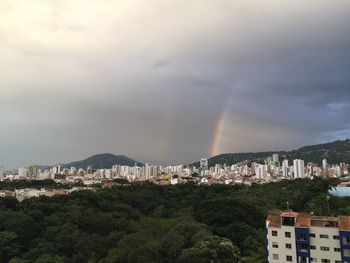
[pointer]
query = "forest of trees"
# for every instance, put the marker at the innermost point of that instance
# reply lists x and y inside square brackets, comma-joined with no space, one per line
[148,223]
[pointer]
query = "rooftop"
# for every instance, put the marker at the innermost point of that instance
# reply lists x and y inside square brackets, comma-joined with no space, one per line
[291,218]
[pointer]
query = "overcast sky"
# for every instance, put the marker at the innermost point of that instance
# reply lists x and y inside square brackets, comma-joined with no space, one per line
[150,78]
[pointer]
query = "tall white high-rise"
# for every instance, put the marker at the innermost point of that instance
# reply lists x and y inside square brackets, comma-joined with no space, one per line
[260,171]
[1,173]
[204,163]
[337,171]
[148,171]
[285,168]
[299,168]
[23,172]
[275,160]
[324,163]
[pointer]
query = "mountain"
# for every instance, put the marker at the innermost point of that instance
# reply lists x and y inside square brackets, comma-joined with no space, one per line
[335,152]
[101,161]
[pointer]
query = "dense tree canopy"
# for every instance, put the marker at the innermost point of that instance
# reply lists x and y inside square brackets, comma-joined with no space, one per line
[149,223]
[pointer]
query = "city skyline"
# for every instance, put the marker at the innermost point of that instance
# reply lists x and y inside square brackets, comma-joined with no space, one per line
[170,81]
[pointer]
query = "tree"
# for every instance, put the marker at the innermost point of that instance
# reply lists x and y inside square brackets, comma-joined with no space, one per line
[50,259]
[8,246]
[212,250]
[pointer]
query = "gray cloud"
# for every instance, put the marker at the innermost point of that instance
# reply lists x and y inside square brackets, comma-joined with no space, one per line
[149,79]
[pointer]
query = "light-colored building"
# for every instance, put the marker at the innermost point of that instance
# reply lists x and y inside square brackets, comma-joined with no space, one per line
[1,173]
[299,168]
[260,171]
[33,172]
[285,168]
[324,164]
[23,172]
[204,163]
[303,238]
[276,160]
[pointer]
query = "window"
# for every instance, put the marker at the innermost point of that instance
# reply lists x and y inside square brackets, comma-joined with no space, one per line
[346,252]
[274,244]
[324,236]
[289,246]
[301,236]
[325,260]
[313,259]
[336,249]
[289,258]
[346,240]
[275,256]
[287,234]
[336,237]
[324,248]
[313,247]
[337,261]
[274,233]
[288,221]
[302,248]
[312,235]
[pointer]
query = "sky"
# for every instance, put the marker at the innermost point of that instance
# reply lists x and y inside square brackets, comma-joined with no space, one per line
[170,81]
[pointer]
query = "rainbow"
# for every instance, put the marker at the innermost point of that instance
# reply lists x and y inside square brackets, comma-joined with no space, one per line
[215,145]
[219,128]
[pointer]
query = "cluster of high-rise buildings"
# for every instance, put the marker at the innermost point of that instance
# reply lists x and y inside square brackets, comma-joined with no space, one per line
[272,168]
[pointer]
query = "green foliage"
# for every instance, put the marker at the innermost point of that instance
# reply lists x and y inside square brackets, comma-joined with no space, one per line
[12,185]
[213,249]
[8,245]
[148,223]
[50,259]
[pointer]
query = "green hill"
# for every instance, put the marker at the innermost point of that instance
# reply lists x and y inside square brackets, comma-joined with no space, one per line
[335,152]
[101,161]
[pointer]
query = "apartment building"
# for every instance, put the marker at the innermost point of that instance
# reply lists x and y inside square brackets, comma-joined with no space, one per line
[303,238]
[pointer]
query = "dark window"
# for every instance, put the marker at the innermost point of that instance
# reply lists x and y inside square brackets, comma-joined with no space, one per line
[289,246]
[325,260]
[331,224]
[288,221]
[346,240]
[301,236]
[336,249]
[274,233]
[335,237]
[346,252]
[324,236]
[275,245]
[313,247]
[324,248]
[302,248]
[289,258]
[312,235]
[287,234]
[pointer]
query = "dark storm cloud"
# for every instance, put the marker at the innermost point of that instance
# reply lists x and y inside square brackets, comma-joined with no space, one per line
[150,79]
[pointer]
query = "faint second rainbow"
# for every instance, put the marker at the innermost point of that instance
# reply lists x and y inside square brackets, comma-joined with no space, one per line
[216,141]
